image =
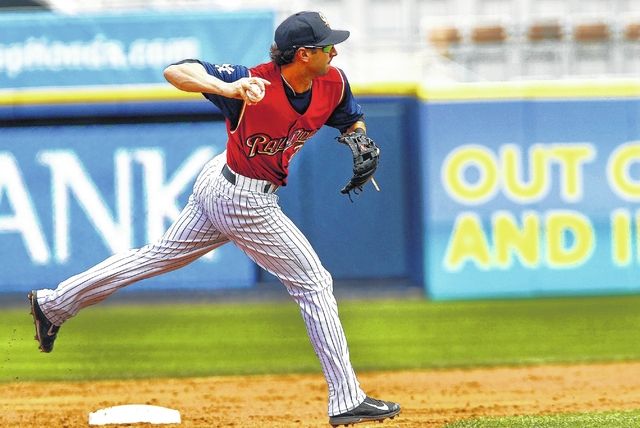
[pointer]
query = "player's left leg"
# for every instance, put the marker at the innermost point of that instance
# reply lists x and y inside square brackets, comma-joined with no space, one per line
[190,237]
[257,225]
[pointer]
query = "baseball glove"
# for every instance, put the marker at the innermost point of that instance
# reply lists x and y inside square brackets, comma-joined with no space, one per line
[366,156]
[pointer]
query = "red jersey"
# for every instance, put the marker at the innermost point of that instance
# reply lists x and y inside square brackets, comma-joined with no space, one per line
[270,132]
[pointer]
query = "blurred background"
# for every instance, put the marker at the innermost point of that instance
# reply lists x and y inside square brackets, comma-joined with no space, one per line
[453,40]
[509,130]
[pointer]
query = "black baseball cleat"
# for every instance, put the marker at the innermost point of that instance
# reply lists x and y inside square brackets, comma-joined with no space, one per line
[369,410]
[46,332]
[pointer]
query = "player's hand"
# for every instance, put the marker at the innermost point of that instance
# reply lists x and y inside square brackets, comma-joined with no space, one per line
[251,89]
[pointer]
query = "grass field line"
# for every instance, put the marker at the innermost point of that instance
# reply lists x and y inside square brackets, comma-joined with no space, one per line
[107,342]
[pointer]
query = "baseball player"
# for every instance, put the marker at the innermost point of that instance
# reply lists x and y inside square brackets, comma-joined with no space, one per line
[271,110]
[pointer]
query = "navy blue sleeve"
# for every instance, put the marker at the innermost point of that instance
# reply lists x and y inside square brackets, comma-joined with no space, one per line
[230,107]
[348,111]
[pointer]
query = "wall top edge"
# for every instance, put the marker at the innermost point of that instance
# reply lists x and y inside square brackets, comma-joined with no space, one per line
[426,91]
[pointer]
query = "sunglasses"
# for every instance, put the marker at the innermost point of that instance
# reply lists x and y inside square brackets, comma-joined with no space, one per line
[325,49]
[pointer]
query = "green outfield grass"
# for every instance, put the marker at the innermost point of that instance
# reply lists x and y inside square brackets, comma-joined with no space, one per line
[582,420]
[209,339]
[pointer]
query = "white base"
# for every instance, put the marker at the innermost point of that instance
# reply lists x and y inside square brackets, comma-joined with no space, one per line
[133,414]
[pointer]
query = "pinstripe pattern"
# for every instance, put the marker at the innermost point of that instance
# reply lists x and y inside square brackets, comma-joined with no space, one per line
[191,236]
[257,225]
[219,212]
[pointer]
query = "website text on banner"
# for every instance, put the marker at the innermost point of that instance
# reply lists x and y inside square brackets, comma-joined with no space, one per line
[44,49]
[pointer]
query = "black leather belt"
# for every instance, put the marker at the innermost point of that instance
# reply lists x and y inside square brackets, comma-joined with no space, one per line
[231,178]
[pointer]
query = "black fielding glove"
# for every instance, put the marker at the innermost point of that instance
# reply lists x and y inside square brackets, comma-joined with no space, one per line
[366,155]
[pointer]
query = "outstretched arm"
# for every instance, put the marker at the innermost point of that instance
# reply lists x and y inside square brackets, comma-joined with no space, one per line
[192,77]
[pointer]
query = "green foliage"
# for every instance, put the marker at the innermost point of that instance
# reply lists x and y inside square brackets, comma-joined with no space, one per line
[162,340]
[582,420]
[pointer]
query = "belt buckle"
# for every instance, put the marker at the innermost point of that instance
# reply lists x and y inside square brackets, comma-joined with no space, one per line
[271,188]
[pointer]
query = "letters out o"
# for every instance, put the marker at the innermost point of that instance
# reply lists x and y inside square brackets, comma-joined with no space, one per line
[619,174]
[456,166]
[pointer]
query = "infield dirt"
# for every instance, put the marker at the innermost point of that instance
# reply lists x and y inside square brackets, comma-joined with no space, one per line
[428,398]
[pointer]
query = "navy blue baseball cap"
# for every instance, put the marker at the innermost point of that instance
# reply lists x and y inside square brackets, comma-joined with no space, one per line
[307,29]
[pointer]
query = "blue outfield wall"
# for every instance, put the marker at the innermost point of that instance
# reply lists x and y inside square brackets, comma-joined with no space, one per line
[528,193]
[531,196]
[71,195]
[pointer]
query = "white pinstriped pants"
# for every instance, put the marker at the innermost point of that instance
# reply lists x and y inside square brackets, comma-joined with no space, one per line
[219,212]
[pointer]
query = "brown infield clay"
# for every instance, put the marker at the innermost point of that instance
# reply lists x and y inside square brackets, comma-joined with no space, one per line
[429,398]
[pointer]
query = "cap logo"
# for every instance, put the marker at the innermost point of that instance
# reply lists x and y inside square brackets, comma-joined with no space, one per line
[324,19]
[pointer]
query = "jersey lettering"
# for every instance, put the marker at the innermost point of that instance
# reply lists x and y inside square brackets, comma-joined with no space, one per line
[225,68]
[263,144]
